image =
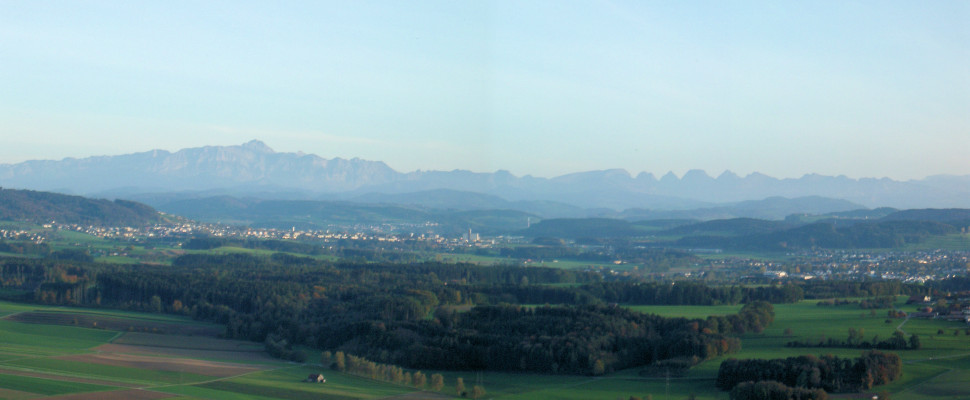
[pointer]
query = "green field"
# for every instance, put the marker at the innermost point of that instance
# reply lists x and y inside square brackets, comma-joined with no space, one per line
[31,339]
[956,241]
[940,370]
[687,311]
[48,387]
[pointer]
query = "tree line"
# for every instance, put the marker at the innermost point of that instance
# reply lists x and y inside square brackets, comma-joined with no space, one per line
[830,373]
[855,340]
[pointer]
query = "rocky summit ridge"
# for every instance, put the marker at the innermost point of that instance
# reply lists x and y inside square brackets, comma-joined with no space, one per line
[254,167]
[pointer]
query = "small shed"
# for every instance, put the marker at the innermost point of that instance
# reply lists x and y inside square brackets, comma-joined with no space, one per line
[315,378]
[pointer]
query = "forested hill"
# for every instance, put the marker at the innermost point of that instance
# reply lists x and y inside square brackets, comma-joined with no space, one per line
[846,231]
[882,234]
[314,214]
[948,215]
[44,207]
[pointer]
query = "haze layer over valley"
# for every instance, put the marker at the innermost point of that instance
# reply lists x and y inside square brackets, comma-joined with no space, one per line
[255,170]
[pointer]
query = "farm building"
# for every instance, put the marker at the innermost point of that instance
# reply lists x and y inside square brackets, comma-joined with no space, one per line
[315,378]
[917,299]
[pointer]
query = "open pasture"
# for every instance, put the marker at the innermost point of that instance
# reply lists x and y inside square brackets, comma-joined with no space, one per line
[32,339]
[186,342]
[195,347]
[128,394]
[932,372]
[94,363]
[687,311]
[117,322]
[286,383]
[168,364]
[85,367]
[32,387]
[7,308]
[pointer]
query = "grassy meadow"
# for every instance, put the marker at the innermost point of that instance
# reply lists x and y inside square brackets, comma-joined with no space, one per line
[39,360]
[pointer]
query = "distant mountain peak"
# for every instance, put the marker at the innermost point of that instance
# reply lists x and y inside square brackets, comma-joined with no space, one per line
[257,146]
[646,176]
[669,177]
[727,174]
[696,175]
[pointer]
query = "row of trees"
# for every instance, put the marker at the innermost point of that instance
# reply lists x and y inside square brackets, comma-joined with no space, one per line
[865,304]
[391,373]
[830,373]
[824,289]
[772,390]
[855,340]
[690,293]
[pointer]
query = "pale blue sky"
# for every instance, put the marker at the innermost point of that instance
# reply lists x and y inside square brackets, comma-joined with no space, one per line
[864,89]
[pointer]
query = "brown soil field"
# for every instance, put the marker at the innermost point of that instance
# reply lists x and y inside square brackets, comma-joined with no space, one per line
[115,323]
[65,378]
[134,394]
[16,394]
[241,356]
[208,368]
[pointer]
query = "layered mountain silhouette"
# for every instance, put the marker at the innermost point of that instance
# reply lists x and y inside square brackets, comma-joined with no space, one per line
[254,169]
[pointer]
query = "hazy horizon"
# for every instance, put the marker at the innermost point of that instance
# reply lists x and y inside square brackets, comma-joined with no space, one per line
[633,174]
[863,89]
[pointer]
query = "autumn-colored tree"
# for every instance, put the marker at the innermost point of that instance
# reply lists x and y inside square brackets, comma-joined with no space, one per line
[420,379]
[437,382]
[340,361]
[478,392]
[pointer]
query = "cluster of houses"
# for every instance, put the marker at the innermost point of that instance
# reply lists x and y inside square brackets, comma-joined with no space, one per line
[953,312]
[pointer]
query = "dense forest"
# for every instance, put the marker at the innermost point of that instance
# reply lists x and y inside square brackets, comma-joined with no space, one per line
[771,390]
[830,373]
[424,315]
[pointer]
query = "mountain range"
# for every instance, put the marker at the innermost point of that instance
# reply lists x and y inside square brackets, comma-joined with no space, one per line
[255,170]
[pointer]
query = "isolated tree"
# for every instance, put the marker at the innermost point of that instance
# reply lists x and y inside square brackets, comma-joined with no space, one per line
[437,382]
[155,304]
[599,368]
[460,386]
[478,392]
[340,361]
[420,379]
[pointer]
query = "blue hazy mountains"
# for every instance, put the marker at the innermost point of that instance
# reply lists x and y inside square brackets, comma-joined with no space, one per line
[253,169]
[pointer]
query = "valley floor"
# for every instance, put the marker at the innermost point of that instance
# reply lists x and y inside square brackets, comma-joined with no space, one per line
[67,353]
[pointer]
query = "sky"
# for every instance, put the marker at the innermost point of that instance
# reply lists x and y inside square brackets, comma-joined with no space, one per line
[545,88]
